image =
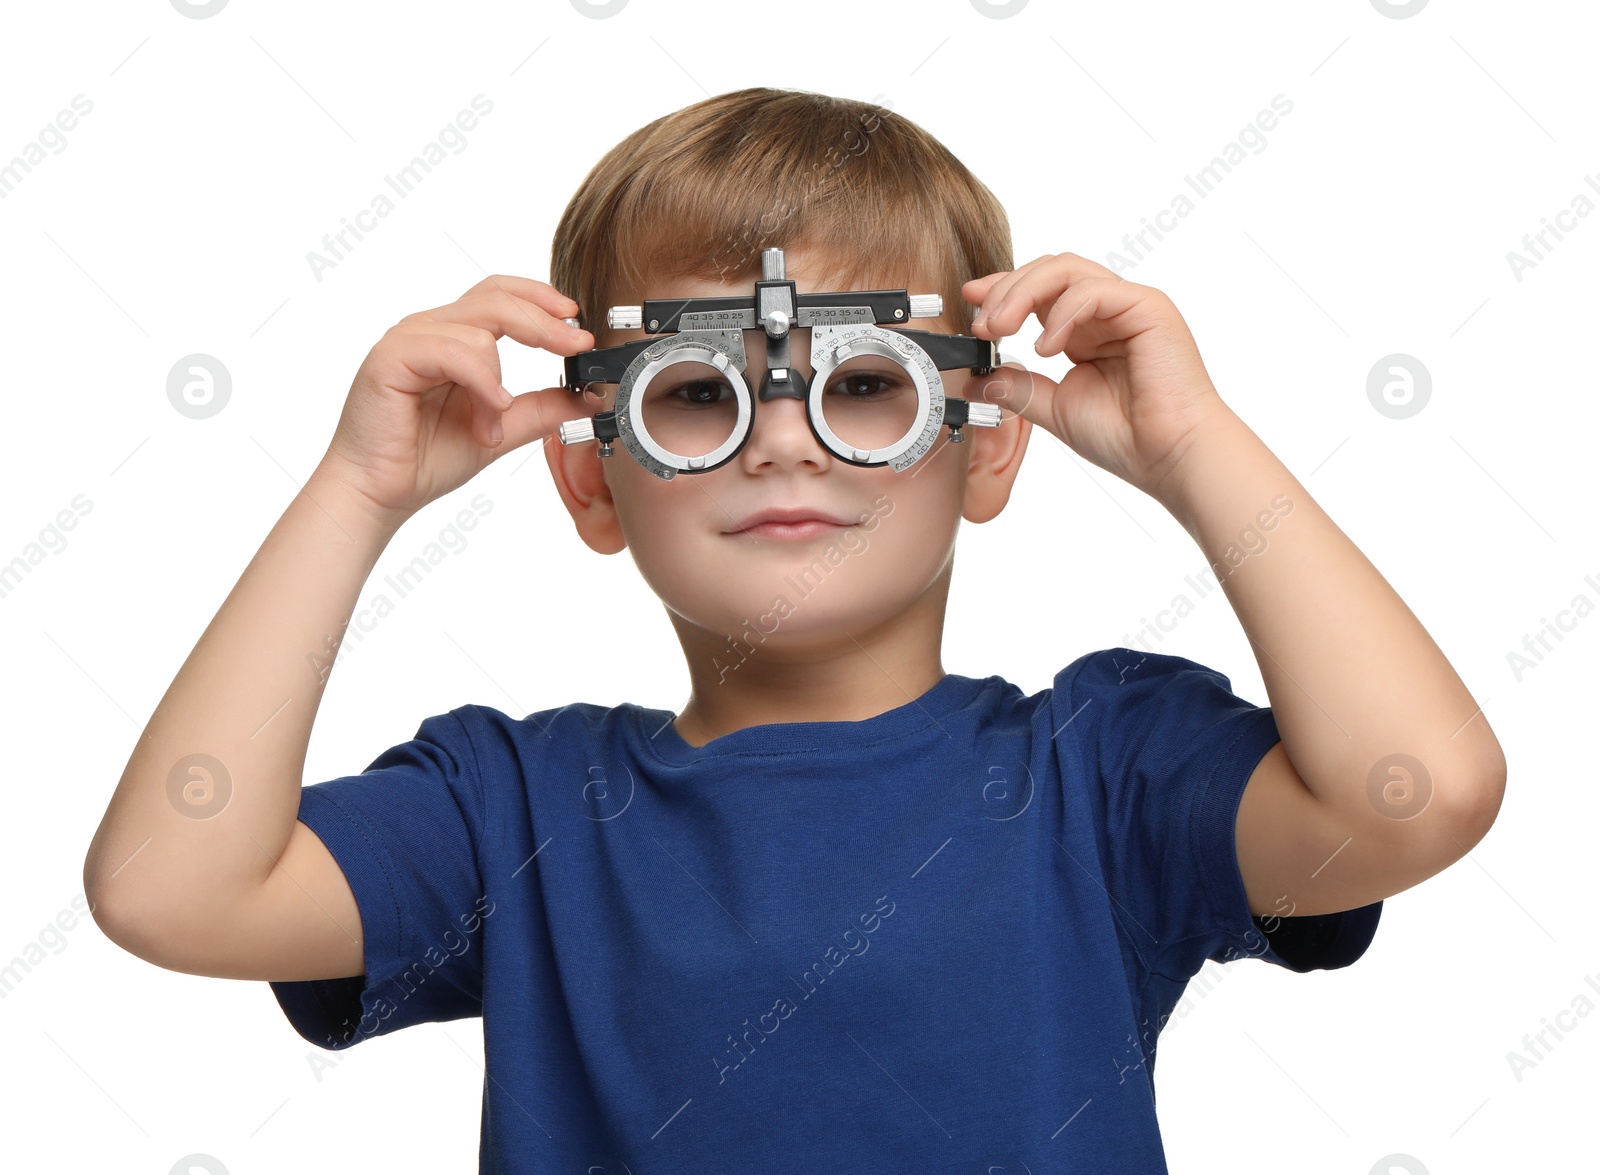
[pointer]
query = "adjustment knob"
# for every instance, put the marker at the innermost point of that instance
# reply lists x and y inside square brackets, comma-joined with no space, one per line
[625,317]
[978,412]
[926,305]
[575,431]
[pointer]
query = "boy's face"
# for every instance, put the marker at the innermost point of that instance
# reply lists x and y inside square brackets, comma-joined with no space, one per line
[891,558]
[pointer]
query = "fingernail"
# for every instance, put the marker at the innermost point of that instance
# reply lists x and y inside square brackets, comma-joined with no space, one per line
[496,433]
[505,398]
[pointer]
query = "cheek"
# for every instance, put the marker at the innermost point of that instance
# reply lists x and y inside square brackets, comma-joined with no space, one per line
[914,519]
[647,507]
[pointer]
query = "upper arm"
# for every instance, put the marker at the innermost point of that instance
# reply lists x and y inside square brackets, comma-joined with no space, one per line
[304,921]
[1299,856]
[300,923]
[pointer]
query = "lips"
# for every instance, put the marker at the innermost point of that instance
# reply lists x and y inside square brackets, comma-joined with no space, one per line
[788,515]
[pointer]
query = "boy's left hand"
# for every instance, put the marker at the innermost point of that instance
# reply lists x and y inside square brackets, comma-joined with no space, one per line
[1139,392]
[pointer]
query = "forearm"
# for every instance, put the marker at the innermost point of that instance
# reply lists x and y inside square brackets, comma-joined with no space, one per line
[175,833]
[1351,674]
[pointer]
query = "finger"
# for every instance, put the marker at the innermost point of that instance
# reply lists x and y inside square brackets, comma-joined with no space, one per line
[538,414]
[528,311]
[998,290]
[478,338]
[1009,301]
[1015,389]
[555,305]
[1079,316]
[484,423]
[422,361]
[554,308]
[534,290]
[975,290]
[1034,287]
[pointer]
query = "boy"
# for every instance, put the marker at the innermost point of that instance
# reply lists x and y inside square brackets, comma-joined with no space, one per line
[844,911]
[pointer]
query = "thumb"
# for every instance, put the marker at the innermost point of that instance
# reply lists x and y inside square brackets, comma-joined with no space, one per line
[540,414]
[1011,386]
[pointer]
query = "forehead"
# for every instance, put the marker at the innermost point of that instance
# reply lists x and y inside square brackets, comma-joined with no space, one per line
[811,271]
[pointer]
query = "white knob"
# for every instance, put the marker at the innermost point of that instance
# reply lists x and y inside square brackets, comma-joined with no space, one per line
[576,431]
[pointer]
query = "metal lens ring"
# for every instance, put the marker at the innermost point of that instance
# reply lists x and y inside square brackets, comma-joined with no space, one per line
[723,350]
[831,347]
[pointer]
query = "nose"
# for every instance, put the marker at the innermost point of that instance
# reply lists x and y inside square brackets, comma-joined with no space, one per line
[780,434]
[780,431]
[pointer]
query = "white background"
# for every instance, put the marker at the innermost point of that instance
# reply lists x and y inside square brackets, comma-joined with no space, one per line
[1376,220]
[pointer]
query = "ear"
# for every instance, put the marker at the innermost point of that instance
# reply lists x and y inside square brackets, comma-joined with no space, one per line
[579,474]
[994,457]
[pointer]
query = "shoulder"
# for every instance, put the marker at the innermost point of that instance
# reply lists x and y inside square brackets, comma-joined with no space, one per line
[503,745]
[477,721]
[1118,695]
[1119,666]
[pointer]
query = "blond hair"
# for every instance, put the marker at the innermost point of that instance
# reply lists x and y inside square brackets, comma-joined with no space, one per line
[698,193]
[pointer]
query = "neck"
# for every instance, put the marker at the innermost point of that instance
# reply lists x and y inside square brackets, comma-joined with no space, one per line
[839,673]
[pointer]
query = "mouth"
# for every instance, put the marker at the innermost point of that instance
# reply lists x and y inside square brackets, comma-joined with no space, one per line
[789,530]
[788,523]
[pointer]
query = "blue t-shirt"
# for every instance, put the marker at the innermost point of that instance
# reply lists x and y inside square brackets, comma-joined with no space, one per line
[945,937]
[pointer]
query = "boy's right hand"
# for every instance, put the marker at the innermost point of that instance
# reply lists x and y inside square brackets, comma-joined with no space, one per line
[427,405]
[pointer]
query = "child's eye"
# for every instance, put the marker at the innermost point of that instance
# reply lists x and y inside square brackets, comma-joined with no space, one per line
[865,385]
[700,392]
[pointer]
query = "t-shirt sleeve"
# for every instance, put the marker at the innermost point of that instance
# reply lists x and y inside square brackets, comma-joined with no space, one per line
[1166,748]
[406,833]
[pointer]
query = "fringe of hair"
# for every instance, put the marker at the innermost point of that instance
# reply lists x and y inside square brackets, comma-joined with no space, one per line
[875,199]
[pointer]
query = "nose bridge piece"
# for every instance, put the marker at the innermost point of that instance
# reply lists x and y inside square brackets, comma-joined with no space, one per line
[784,383]
[773,438]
